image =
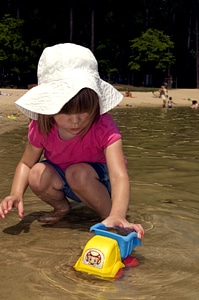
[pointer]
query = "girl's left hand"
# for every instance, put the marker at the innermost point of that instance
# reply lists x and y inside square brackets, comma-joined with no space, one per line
[122,223]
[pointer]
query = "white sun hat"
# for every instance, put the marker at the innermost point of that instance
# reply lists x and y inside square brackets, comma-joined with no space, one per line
[63,70]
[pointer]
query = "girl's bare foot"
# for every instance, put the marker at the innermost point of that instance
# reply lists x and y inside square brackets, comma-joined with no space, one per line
[53,217]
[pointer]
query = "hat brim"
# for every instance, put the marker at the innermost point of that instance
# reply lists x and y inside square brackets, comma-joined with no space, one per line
[49,98]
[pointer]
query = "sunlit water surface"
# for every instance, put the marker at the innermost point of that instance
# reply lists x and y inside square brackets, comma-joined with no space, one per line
[162,148]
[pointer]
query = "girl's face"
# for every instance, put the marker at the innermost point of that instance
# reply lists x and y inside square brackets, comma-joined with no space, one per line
[72,123]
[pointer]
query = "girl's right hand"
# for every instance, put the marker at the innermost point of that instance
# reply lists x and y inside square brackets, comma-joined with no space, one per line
[10,202]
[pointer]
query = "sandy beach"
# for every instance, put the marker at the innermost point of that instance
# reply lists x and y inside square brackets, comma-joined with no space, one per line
[11,117]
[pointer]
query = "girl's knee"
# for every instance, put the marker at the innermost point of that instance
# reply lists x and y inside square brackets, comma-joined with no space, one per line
[35,176]
[79,174]
[43,176]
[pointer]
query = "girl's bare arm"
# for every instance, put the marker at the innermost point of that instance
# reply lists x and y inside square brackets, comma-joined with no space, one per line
[20,181]
[120,189]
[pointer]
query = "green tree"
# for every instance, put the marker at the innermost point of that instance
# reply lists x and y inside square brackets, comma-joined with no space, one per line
[12,45]
[18,59]
[92,23]
[151,53]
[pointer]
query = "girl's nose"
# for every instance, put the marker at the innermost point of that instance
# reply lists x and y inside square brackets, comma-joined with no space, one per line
[75,119]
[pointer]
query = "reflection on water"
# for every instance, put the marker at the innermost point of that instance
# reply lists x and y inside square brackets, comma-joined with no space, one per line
[162,150]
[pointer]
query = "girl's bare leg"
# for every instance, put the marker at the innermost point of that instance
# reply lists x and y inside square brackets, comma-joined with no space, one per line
[84,182]
[46,184]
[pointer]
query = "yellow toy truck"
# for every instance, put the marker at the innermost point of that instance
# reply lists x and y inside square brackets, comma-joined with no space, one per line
[107,253]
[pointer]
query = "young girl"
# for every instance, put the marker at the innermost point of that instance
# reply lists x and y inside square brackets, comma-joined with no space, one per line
[81,144]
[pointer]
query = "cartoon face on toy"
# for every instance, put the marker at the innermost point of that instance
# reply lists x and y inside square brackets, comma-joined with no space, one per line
[93,257]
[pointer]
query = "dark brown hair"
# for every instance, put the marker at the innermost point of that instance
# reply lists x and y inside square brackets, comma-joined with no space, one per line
[86,100]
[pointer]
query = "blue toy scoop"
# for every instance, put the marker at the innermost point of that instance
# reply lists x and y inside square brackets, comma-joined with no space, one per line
[126,243]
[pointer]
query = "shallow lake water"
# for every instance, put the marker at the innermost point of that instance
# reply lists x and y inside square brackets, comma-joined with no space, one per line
[162,149]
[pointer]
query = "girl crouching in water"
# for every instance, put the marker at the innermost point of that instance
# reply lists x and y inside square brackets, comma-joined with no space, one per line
[80,142]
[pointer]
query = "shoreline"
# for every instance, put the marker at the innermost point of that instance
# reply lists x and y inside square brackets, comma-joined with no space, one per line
[11,117]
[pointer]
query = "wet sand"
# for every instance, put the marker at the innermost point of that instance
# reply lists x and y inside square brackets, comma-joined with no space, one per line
[11,117]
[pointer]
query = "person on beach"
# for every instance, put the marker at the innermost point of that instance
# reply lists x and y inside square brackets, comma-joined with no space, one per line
[127,93]
[156,94]
[4,94]
[74,149]
[170,102]
[164,94]
[194,104]
[166,88]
